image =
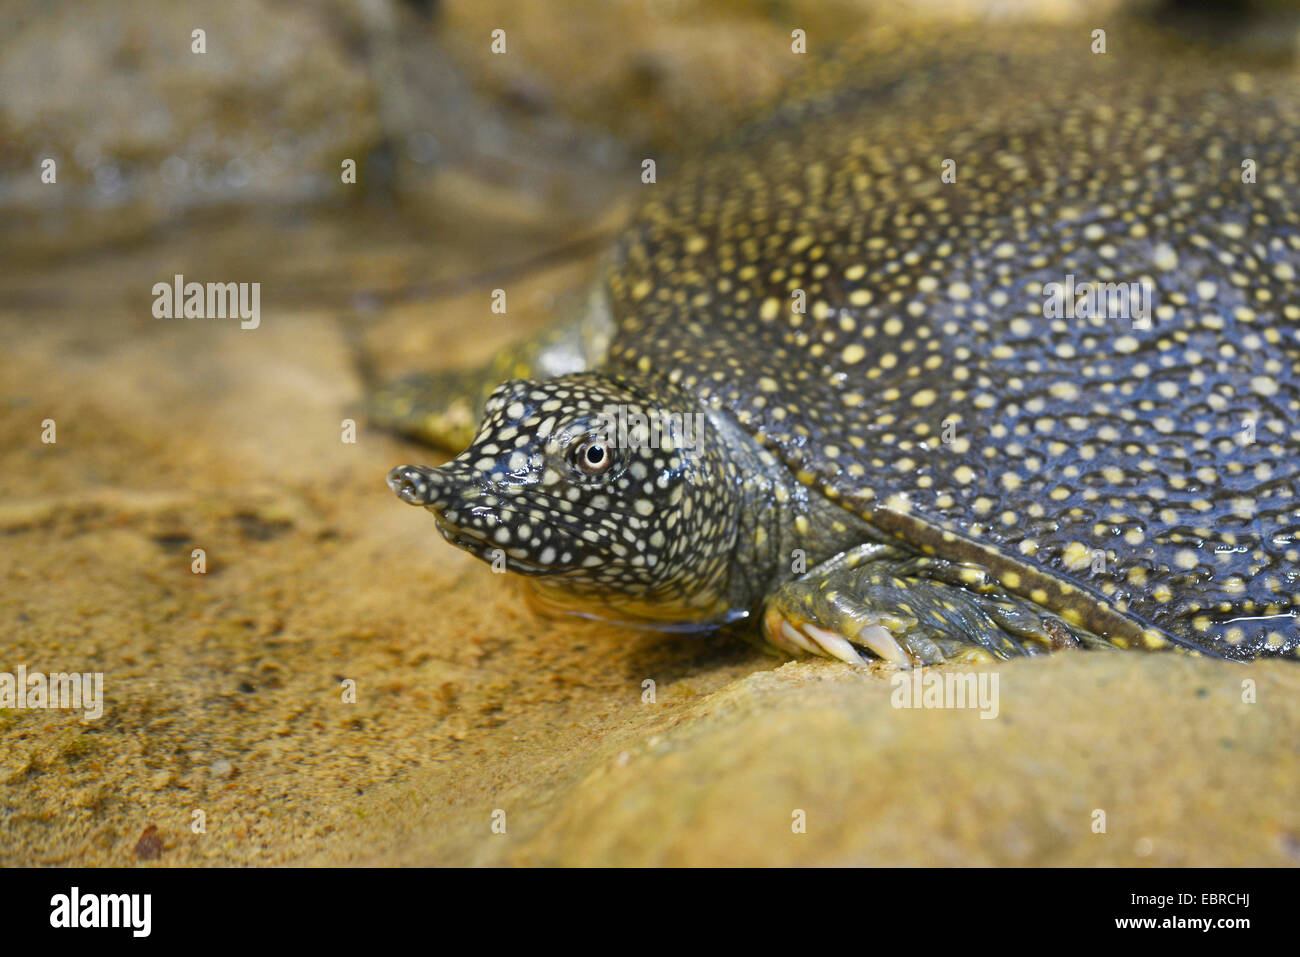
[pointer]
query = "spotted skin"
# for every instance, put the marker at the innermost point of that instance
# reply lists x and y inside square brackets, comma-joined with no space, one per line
[646,537]
[1135,481]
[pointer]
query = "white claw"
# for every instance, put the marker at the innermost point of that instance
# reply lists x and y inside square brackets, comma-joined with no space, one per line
[772,631]
[879,640]
[793,635]
[835,645]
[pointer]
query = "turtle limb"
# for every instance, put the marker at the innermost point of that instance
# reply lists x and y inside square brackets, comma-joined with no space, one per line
[908,610]
[443,408]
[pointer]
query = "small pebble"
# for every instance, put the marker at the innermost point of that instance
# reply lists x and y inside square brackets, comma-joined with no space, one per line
[150,845]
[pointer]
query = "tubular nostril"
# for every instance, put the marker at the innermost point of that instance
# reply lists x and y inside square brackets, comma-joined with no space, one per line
[415,484]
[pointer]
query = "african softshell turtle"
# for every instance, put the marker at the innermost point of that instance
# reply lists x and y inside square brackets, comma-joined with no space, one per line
[953,356]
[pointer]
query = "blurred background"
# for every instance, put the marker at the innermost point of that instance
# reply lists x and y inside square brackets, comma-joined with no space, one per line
[475,170]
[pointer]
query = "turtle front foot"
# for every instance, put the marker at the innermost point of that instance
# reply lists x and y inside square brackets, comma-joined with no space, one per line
[905,617]
[441,409]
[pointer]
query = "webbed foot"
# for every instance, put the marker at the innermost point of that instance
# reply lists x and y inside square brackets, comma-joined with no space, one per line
[441,409]
[909,612]
[444,408]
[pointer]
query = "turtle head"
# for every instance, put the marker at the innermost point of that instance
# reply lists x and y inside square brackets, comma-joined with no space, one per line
[618,502]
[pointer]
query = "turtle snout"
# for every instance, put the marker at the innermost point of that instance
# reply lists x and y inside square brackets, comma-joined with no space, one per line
[419,485]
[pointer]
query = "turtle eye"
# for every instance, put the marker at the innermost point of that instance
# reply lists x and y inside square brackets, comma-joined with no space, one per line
[593,457]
